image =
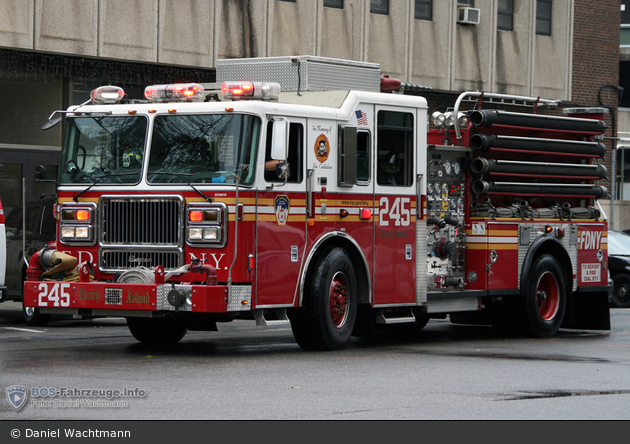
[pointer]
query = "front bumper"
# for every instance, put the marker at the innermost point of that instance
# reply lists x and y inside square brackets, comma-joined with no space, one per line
[125,299]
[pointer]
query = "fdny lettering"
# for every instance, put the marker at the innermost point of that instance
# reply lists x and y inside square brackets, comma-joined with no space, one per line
[137,298]
[203,258]
[89,295]
[590,240]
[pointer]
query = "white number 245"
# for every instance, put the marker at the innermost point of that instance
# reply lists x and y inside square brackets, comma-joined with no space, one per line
[58,295]
[400,211]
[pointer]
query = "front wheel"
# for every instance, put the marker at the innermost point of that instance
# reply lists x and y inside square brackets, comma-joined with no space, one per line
[621,291]
[157,330]
[544,303]
[33,317]
[328,314]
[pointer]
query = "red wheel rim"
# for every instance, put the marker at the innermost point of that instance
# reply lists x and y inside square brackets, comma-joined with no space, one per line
[547,296]
[338,300]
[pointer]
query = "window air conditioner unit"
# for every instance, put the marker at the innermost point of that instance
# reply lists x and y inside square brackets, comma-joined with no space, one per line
[468,16]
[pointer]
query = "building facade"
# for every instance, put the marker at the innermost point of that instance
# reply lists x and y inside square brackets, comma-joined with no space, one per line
[53,52]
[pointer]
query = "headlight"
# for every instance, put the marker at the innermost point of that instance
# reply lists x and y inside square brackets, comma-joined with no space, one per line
[77,223]
[207,224]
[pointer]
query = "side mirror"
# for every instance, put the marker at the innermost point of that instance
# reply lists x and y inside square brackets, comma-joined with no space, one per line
[40,173]
[283,171]
[51,122]
[280,139]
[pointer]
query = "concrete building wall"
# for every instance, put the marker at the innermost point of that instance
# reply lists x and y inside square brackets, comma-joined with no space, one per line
[439,53]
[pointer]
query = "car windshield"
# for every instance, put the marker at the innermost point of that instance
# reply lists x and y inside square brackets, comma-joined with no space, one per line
[104,149]
[204,148]
[618,243]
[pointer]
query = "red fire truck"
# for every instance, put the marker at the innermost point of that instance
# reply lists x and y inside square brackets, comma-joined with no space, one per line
[317,193]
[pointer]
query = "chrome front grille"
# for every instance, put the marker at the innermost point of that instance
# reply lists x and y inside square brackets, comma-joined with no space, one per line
[113,261]
[140,232]
[134,221]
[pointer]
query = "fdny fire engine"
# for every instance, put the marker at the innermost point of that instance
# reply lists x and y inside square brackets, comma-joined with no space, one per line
[316,193]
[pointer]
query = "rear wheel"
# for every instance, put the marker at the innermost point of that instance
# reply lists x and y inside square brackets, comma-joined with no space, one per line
[157,330]
[544,302]
[327,317]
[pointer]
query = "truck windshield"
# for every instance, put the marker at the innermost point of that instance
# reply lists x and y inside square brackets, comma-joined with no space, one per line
[107,149]
[204,148]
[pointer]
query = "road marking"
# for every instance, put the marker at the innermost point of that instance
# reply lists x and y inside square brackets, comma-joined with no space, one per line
[23,329]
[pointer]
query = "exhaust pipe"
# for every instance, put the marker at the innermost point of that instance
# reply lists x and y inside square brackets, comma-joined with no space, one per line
[484,142]
[482,166]
[489,117]
[539,189]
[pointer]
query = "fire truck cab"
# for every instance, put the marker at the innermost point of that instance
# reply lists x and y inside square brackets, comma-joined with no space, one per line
[311,192]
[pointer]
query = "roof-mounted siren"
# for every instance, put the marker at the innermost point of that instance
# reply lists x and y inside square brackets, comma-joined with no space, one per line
[175,92]
[389,84]
[250,90]
[107,94]
[468,16]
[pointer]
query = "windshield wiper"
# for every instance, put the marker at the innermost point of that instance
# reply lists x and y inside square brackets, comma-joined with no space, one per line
[98,179]
[168,173]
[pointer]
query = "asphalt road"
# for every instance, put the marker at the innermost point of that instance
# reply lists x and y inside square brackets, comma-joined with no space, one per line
[244,372]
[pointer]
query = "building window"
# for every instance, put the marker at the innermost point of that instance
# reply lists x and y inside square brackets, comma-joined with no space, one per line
[505,15]
[543,17]
[379,7]
[424,10]
[470,3]
[333,4]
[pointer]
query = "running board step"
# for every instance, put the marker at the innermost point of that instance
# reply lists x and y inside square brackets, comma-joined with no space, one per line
[401,316]
[271,316]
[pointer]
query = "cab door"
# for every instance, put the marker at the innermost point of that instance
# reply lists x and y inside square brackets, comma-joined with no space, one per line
[395,207]
[281,222]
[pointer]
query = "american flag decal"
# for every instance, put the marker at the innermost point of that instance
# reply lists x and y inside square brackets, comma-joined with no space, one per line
[361,118]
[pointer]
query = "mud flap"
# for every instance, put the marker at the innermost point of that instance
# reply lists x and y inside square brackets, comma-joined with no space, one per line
[589,311]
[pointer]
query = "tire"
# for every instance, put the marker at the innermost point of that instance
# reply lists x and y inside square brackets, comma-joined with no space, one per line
[544,303]
[33,317]
[621,291]
[157,330]
[329,311]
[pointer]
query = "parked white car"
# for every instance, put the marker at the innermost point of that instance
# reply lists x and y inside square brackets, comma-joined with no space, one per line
[3,256]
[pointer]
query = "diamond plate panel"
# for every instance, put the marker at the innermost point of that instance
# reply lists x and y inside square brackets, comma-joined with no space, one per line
[161,302]
[303,73]
[535,231]
[421,262]
[240,298]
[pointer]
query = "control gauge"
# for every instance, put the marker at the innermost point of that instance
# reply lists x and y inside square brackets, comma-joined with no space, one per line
[460,205]
[448,168]
[457,168]
[438,190]
[453,205]
[429,188]
[445,189]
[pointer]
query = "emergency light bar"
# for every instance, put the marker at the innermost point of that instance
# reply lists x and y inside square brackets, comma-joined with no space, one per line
[107,94]
[250,90]
[174,92]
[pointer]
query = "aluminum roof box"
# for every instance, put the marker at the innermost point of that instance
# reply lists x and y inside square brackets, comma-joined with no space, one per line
[303,73]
